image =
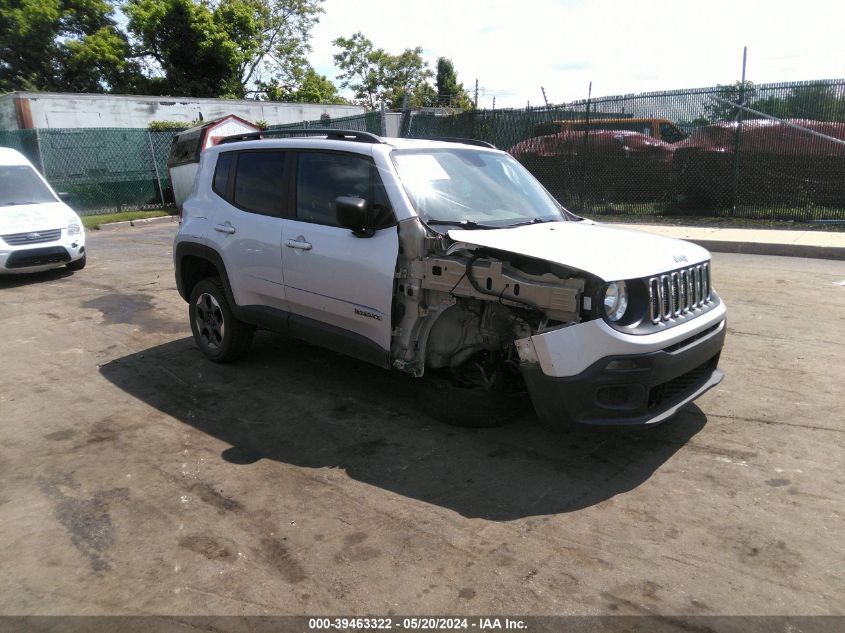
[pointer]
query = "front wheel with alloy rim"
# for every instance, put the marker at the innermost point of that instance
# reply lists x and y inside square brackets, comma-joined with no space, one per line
[218,334]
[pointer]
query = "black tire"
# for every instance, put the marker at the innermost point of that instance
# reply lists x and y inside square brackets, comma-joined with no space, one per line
[469,407]
[79,264]
[218,334]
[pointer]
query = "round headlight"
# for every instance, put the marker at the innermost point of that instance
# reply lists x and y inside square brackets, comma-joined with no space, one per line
[616,300]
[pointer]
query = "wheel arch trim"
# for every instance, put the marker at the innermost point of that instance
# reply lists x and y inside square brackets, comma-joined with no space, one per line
[201,251]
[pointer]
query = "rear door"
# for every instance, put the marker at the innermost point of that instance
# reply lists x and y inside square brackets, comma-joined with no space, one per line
[247,227]
[339,287]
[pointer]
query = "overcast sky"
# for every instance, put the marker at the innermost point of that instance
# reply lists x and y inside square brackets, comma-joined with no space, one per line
[514,47]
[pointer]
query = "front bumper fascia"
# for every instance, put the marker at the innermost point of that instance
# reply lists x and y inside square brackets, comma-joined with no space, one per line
[43,256]
[630,389]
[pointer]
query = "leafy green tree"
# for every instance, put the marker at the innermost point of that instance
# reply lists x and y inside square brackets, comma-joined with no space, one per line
[307,86]
[207,49]
[818,101]
[406,73]
[423,96]
[66,45]
[375,76]
[363,68]
[719,111]
[450,93]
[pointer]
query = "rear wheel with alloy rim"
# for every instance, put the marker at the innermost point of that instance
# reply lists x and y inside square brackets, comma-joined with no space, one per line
[218,334]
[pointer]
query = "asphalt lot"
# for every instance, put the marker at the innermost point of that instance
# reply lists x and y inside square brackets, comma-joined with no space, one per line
[139,478]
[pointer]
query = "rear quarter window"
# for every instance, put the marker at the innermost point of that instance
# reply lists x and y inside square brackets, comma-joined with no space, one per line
[222,172]
[259,182]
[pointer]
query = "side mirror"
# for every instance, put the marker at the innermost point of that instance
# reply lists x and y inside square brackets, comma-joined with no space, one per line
[64,196]
[351,213]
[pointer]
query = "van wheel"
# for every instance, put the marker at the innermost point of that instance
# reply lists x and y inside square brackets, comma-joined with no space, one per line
[79,264]
[472,397]
[218,334]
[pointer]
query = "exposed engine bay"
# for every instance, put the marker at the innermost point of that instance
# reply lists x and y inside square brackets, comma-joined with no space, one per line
[454,307]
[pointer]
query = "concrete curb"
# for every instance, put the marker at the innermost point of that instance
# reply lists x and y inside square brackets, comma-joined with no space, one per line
[782,243]
[113,226]
[764,248]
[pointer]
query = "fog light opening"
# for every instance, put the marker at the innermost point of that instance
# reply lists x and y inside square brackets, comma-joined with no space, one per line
[621,365]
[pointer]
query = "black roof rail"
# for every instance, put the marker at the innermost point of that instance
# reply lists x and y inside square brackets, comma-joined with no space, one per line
[337,135]
[465,141]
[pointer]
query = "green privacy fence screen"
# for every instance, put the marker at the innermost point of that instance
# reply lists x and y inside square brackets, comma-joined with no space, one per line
[368,122]
[682,152]
[101,169]
[685,152]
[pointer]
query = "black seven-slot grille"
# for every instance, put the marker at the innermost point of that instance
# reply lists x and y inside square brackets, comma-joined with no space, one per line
[676,294]
[32,237]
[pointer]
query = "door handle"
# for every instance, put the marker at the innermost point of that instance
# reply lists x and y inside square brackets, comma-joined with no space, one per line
[306,246]
[225,228]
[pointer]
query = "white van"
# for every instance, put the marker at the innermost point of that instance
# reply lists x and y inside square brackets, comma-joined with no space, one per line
[37,230]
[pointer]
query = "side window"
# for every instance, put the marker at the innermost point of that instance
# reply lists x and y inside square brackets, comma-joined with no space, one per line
[259,181]
[322,177]
[220,186]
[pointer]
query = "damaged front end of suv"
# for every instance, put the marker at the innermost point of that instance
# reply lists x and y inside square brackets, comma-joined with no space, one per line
[500,291]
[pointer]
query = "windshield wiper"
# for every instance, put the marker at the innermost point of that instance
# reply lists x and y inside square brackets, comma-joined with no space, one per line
[15,203]
[532,221]
[464,224]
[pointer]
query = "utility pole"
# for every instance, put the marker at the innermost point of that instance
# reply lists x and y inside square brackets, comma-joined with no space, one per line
[476,94]
[494,103]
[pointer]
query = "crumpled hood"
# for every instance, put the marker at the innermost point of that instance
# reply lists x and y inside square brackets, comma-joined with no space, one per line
[610,253]
[34,217]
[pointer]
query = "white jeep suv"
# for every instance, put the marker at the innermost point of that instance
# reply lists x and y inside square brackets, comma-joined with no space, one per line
[37,230]
[445,258]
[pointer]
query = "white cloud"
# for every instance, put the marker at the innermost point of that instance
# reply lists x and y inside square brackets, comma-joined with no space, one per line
[622,47]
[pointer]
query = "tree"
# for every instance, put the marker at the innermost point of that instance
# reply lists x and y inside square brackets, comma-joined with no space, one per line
[817,101]
[718,111]
[209,49]
[407,73]
[363,68]
[375,76]
[450,93]
[67,45]
[308,86]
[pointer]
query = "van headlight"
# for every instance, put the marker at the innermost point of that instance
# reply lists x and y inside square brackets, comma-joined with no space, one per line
[615,300]
[73,228]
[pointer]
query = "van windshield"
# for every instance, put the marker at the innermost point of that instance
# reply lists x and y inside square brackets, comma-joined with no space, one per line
[19,184]
[472,188]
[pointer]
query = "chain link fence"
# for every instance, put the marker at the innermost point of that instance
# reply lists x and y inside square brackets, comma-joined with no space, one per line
[101,169]
[368,122]
[683,152]
[108,169]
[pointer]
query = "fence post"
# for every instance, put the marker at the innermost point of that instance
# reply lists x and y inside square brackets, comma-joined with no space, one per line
[586,149]
[738,135]
[40,155]
[405,126]
[155,168]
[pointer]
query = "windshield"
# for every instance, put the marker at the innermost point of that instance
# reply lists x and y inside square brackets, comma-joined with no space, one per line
[473,188]
[19,184]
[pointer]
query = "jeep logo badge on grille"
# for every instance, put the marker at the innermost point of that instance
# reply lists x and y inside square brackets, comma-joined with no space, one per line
[33,236]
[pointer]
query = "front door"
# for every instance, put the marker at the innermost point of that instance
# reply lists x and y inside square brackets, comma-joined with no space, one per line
[339,287]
